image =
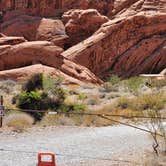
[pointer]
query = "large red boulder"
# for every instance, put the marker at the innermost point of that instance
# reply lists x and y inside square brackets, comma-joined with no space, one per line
[80,24]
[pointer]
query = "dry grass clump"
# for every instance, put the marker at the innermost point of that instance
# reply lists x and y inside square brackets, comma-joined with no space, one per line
[51,120]
[124,102]
[155,101]
[75,119]
[18,121]
[6,86]
[150,101]
[158,83]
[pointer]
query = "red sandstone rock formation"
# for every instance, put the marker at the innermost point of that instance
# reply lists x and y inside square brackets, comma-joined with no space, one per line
[32,7]
[80,24]
[43,52]
[24,73]
[103,6]
[35,28]
[132,42]
[52,7]
[126,45]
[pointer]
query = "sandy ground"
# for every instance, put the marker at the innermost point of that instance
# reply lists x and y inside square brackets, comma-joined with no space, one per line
[75,146]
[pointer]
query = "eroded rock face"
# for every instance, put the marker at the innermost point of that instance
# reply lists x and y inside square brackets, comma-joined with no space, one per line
[43,52]
[103,6]
[49,7]
[35,28]
[110,8]
[126,45]
[127,8]
[32,7]
[80,24]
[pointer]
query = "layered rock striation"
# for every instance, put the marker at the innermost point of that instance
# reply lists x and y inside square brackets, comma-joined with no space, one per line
[126,45]
[79,38]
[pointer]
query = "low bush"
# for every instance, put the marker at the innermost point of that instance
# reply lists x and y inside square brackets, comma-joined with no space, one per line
[74,107]
[157,83]
[54,89]
[40,93]
[19,121]
[124,103]
[154,101]
[114,79]
[36,100]
[34,83]
[134,84]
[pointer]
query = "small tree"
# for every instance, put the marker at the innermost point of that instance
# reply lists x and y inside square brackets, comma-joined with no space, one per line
[156,127]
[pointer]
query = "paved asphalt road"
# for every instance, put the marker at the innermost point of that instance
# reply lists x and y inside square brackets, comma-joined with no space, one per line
[75,146]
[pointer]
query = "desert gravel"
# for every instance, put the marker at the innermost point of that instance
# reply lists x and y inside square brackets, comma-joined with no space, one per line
[75,146]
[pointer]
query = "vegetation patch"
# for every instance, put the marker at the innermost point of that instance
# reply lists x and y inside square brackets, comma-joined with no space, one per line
[19,121]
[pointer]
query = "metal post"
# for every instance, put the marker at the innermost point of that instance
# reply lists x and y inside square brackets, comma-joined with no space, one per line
[1,116]
[1,100]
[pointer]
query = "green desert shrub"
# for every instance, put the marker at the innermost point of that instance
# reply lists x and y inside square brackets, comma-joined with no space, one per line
[31,100]
[54,89]
[34,83]
[37,100]
[40,93]
[114,79]
[73,106]
[134,84]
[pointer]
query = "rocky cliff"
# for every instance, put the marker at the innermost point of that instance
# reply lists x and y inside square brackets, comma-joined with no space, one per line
[131,43]
[86,38]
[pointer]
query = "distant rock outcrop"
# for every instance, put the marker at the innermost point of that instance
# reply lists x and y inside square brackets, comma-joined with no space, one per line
[35,28]
[54,7]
